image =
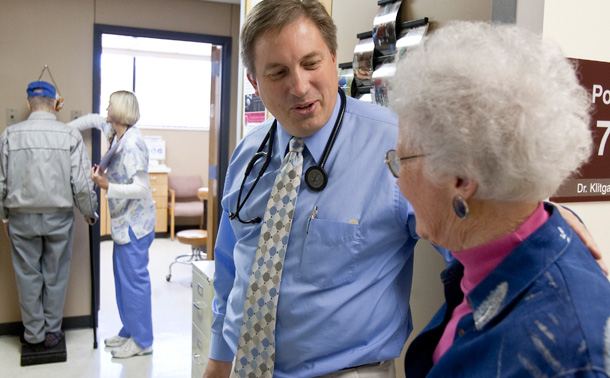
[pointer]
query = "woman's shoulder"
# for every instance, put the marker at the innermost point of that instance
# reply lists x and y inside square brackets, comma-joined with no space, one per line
[133,135]
[133,141]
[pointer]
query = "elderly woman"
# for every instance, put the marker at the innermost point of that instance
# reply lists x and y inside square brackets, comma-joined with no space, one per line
[492,121]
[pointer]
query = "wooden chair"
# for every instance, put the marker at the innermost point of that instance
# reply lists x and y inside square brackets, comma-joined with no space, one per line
[184,201]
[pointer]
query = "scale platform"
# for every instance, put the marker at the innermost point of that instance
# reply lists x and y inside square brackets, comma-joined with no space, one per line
[38,356]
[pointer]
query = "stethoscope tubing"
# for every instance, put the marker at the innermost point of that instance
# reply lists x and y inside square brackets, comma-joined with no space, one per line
[313,176]
[336,128]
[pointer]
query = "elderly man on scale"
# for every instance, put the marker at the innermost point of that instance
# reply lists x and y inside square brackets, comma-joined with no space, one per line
[308,203]
[43,175]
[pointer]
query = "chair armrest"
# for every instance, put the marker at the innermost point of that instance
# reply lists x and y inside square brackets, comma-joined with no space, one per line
[202,193]
[172,201]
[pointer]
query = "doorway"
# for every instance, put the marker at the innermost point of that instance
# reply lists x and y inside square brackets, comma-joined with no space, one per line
[217,110]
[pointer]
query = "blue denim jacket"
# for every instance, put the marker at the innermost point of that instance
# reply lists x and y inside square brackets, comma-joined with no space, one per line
[543,312]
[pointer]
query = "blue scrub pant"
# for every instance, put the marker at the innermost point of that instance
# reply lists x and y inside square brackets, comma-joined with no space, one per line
[133,291]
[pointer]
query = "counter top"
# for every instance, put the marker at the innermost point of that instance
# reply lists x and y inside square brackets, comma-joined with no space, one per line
[159,169]
[205,266]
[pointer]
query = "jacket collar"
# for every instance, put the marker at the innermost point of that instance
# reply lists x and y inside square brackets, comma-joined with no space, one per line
[520,269]
[42,115]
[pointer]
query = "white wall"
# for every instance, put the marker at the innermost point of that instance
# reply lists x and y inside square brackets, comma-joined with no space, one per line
[351,23]
[530,15]
[582,30]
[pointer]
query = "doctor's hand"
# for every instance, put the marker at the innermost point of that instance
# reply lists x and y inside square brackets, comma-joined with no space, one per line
[99,177]
[218,369]
[584,235]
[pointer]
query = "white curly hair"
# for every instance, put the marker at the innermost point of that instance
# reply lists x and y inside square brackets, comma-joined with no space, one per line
[494,103]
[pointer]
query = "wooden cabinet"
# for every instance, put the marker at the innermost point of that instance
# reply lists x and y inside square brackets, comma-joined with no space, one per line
[158,186]
[203,294]
[104,214]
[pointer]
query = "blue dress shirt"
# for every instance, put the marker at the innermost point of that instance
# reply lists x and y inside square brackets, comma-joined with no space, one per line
[543,312]
[344,295]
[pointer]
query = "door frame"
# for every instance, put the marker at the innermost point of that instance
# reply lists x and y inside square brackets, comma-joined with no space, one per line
[217,172]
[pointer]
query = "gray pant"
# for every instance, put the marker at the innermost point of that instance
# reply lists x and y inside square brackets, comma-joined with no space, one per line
[384,369]
[41,246]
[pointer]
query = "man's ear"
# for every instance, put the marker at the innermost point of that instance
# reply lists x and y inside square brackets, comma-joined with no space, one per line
[253,81]
[465,187]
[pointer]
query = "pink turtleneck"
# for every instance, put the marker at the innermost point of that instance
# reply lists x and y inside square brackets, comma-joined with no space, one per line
[478,263]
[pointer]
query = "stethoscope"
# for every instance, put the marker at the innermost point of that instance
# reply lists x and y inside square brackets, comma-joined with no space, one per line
[316,177]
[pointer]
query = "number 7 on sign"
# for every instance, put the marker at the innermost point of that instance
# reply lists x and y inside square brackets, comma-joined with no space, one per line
[602,145]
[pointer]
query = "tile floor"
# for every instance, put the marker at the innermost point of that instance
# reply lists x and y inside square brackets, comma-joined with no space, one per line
[171,321]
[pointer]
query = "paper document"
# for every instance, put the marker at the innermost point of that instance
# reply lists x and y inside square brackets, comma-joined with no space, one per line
[107,159]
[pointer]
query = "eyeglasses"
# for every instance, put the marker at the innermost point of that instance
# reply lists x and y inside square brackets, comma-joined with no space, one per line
[393,161]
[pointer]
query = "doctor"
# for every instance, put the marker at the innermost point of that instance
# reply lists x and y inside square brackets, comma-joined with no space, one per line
[344,298]
[346,264]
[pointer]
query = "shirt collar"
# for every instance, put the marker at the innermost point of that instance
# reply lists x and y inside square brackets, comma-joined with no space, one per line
[479,261]
[315,143]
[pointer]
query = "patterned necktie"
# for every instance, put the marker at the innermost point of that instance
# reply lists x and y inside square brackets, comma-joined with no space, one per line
[256,350]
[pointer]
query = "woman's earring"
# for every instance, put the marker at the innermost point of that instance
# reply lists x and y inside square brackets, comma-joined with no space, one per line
[460,207]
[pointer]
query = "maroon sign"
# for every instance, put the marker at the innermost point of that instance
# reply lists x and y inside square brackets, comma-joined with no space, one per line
[593,184]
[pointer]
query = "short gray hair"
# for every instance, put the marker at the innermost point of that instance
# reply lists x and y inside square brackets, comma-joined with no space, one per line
[41,103]
[497,104]
[276,14]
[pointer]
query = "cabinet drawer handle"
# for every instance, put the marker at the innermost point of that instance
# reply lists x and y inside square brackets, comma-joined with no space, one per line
[199,305]
[200,289]
[199,359]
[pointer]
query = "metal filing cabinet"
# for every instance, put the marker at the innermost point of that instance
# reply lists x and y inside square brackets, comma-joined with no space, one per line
[203,294]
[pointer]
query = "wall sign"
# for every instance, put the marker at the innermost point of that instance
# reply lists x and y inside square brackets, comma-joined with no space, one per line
[593,184]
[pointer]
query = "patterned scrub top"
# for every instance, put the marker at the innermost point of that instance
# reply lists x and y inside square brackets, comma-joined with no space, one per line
[138,213]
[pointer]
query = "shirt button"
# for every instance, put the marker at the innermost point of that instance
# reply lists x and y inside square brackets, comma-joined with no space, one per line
[461,332]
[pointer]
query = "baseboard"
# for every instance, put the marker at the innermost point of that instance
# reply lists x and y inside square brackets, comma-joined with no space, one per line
[73,322]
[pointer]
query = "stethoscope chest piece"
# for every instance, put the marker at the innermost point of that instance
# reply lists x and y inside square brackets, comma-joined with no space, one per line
[316,178]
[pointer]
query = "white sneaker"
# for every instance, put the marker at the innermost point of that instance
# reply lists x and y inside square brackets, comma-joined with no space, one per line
[130,349]
[115,341]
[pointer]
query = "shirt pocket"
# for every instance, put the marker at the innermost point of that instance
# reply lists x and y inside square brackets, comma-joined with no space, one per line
[330,253]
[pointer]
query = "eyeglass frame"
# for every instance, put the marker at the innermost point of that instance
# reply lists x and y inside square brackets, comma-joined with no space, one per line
[397,159]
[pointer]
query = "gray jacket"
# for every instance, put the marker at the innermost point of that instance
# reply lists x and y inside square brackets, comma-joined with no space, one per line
[44,167]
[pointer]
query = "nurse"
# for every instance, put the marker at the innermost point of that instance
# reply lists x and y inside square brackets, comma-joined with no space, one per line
[123,173]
